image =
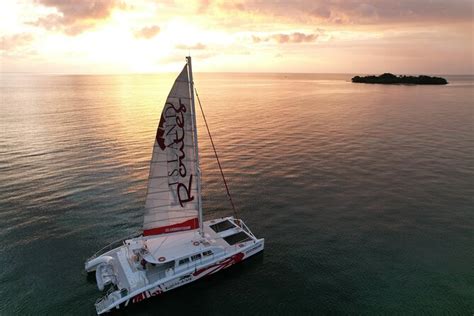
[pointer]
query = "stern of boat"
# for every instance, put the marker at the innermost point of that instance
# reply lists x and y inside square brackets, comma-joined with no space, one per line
[118,272]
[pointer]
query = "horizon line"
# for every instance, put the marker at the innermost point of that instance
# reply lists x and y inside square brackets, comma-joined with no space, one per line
[224,72]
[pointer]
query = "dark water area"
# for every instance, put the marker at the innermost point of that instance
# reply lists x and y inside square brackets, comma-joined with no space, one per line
[364,193]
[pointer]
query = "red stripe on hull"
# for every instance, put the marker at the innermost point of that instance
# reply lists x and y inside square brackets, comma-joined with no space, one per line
[190,224]
[221,265]
[201,273]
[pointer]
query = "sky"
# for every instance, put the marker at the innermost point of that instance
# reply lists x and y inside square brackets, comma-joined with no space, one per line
[317,36]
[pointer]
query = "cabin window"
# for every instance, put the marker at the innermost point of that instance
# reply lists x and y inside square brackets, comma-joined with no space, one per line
[196,257]
[207,253]
[183,261]
[220,227]
[237,238]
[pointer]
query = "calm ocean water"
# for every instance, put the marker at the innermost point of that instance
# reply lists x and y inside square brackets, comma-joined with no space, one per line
[364,193]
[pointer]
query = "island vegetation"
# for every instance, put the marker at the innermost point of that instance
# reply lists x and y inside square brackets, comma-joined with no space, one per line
[388,78]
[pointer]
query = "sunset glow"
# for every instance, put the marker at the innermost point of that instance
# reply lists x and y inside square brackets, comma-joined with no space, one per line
[113,36]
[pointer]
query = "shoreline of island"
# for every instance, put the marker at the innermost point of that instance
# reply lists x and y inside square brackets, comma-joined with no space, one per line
[388,78]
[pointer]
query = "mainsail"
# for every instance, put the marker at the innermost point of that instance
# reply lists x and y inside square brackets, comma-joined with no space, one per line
[172,200]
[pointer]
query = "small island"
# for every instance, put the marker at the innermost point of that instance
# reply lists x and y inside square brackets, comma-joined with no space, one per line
[388,78]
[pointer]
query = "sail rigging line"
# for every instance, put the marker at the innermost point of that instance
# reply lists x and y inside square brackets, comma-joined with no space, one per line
[217,157]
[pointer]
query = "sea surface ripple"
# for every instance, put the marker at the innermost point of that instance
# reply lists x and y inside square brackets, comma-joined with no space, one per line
[363,193]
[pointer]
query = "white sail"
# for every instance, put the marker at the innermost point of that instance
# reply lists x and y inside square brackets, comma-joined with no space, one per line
[172,200]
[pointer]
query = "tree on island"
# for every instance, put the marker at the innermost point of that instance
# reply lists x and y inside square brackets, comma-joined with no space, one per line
[388,78]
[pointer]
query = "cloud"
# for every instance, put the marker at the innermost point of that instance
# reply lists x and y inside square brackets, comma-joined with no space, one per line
[147,32]
[283,38]
[258,39]
[74,16]
[12,42]
[197,46]
[355,11]
[232,6]
[302,38]
[322,12]
[204,5]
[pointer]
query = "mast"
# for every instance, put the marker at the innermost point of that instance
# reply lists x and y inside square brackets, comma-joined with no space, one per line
[198,168]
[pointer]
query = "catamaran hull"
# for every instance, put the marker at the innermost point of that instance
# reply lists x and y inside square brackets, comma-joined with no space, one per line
[191,277]
[198,274]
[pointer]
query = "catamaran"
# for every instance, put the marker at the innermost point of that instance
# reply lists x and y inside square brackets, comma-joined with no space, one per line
[177,246]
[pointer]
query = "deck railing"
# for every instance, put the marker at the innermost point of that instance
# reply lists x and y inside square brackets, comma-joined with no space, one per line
[103,302]
[242,225]
[112,245]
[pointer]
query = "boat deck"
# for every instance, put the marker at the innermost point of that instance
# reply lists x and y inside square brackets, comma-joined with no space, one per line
[170,247]
[144,260]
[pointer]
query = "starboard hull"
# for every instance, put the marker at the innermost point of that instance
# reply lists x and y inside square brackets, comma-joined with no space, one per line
[192,277]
